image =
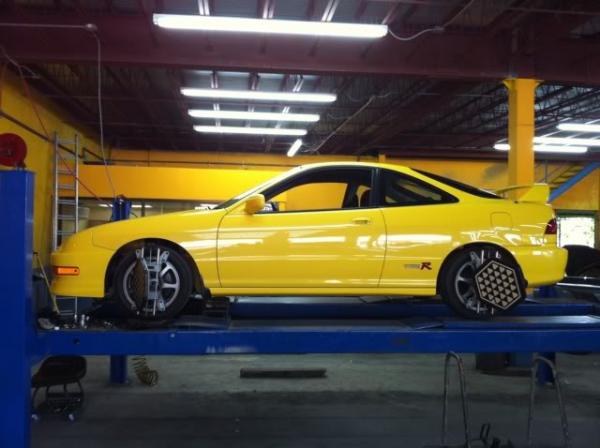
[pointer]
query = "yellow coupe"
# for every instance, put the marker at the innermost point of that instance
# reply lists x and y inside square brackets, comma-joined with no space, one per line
[336,229]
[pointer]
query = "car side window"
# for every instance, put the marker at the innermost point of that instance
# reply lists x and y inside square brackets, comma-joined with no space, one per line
[322,189]
[400,189]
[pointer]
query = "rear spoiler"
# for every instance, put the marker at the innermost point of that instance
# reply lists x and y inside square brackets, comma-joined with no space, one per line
[531,193]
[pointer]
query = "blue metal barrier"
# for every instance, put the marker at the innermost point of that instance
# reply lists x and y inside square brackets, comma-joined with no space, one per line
[17,336]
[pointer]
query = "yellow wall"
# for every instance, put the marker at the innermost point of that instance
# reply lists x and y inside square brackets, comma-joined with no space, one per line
[14,102]
[583,196]
[195,184]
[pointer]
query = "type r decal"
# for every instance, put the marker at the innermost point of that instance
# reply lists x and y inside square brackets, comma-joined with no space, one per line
[424,266]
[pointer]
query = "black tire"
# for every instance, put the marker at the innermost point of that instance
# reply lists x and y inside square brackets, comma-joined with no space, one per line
[178,272]
[464,301]
[583,261]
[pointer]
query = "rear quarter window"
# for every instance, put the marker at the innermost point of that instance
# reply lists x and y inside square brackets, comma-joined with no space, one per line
[400,189]
[461,186]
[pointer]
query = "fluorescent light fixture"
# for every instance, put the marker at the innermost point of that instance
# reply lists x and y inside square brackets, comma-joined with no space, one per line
[567,141]
[255,116]
[292,97]
[294,148]
[579,127]
[270,26]
[248,131]
[548,148]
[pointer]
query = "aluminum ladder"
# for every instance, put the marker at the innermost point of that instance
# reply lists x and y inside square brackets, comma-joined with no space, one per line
[65,199]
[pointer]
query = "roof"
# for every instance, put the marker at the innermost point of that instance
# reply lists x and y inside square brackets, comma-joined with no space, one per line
[357,164]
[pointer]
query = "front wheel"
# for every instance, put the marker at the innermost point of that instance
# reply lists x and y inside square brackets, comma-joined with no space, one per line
[153,282]
[457,281]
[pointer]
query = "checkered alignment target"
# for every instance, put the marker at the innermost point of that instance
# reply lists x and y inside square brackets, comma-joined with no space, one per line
[498,285]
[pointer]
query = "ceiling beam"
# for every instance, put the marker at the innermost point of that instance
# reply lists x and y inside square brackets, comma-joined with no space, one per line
[327,16]
[440,56]
[265,10]
[193,102]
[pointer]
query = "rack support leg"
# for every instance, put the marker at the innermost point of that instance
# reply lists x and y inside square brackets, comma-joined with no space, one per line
[118,369]
[17,333]
[118,364]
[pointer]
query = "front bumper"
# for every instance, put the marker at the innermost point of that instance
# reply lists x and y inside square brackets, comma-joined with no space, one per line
[541,265]
[92,264]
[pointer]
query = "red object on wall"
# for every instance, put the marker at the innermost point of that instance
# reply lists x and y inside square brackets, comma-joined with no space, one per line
[13,150]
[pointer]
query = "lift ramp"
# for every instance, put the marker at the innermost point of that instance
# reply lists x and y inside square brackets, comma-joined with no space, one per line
[262,327]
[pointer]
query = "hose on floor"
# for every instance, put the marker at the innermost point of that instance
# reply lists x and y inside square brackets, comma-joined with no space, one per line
[47,282]
[145,374]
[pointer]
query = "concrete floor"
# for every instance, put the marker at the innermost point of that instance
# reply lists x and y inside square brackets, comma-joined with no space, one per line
[365,401]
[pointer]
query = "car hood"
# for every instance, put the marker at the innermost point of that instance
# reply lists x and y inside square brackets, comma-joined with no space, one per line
[179,227]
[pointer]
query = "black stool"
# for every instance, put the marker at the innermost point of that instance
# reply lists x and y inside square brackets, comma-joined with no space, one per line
[59,371]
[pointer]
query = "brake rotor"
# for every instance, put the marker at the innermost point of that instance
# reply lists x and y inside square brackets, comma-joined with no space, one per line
[139,280]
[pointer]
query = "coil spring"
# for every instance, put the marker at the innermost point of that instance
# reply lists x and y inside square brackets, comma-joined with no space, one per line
[145,374]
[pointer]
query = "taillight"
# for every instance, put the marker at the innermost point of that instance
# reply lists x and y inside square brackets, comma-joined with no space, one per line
[551,227]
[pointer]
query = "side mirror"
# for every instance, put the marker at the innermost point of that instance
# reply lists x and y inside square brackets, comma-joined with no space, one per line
[255,203]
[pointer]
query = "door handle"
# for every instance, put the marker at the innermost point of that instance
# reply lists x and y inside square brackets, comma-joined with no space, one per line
[361,221]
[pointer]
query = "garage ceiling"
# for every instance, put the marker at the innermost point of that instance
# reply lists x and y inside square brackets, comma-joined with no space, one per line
[436,95]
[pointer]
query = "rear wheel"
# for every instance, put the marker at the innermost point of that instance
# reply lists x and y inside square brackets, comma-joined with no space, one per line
[153,282]
[457,281]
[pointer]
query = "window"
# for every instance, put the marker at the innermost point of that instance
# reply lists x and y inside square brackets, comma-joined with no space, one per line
[576,229]
[400,189]
[247,193]
[322,189]
[460,186]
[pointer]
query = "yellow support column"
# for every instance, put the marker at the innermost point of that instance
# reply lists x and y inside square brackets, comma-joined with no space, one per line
[521,130]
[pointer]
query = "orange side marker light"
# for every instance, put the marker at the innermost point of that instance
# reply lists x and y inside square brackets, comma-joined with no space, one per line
[66,270]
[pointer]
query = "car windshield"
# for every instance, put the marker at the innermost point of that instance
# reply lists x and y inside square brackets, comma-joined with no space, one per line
[460,186]
[256,189]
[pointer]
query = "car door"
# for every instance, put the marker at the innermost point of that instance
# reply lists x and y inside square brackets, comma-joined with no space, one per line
[418,219]
[320,231]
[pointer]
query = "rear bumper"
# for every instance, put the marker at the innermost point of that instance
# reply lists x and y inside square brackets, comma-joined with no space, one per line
[92,270]
[541,265]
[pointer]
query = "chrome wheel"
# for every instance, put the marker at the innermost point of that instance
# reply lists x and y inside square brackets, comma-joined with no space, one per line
[464,281]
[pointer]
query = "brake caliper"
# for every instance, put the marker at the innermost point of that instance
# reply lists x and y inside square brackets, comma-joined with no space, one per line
[147,288]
